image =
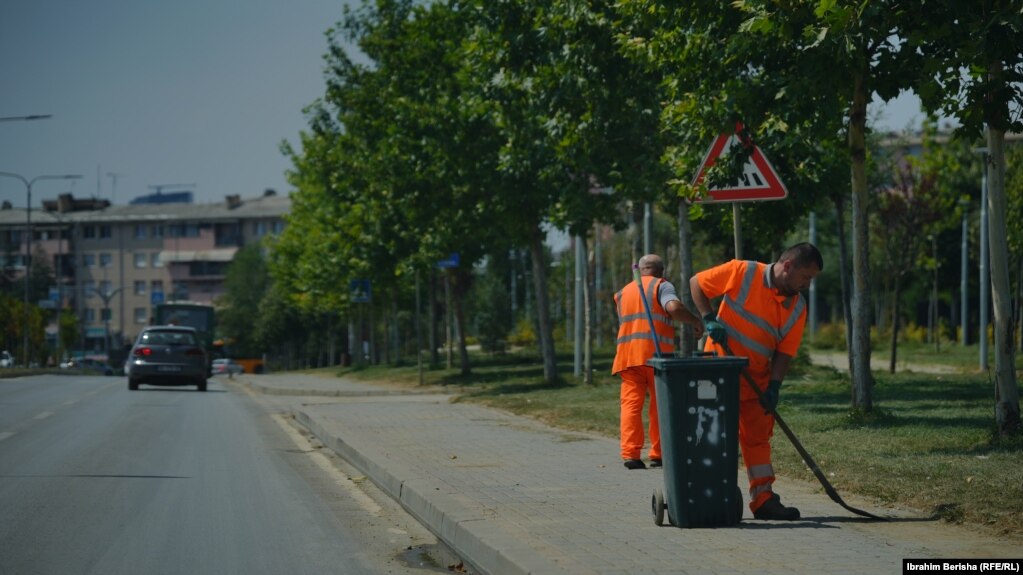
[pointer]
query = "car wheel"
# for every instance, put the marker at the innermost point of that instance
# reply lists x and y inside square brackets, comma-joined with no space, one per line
[201,384]
[133,384]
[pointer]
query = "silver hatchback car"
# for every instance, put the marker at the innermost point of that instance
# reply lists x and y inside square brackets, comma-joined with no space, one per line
[167,355]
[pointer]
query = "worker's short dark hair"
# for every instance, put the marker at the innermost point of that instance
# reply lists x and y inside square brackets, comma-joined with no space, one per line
[803,254]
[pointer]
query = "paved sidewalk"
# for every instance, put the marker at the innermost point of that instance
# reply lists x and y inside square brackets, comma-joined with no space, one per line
[840,360]
[511,495]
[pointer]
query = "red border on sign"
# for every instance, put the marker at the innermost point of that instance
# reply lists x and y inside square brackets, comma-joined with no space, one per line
[773,190]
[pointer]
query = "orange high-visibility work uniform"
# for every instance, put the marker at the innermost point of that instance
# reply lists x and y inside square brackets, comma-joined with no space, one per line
[635,347]
[759,322]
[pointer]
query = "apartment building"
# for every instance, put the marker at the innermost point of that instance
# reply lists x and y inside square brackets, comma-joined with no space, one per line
[115,263]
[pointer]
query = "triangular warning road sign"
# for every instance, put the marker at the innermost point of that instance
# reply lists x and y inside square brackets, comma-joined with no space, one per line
[758,182]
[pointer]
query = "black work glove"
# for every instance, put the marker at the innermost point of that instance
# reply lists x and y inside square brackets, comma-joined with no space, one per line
[769,399]
[715,329]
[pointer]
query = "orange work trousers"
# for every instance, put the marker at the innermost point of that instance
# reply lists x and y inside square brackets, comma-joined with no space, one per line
[637,383]
[755,431]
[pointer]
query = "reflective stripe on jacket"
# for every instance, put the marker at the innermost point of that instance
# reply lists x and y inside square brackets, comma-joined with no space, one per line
[635,342]
[758,319]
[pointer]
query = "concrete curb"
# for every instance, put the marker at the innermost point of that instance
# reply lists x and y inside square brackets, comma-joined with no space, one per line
[305,391]
[467,532]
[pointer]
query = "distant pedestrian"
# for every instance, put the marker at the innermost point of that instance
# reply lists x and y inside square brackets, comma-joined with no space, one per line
[761,316]
[636,345]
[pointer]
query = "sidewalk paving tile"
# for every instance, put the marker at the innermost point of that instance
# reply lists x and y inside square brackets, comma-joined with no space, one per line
[512,495]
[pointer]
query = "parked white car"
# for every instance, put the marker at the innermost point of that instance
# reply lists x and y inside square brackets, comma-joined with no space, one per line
[6,359]
[227,366]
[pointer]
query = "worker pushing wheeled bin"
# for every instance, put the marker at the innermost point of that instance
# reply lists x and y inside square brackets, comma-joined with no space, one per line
[698,409]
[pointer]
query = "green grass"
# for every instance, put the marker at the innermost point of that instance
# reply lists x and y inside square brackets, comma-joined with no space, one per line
[948,354]
[929,442]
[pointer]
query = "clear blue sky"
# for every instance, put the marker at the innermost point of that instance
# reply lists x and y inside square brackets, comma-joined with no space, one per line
[185,91]
[168,92]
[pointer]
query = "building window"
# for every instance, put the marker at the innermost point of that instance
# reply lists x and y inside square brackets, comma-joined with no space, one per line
[140,287]
[278,227]
[140,232]
[104,260]
[156,261]
[88,232]
[90,315]
[259,229]
[141,260]
[157,231]
[141,315]
[104,231]
[157,286]
[180,290]
[89,260]
[90,288]
[206,268]
[104,287]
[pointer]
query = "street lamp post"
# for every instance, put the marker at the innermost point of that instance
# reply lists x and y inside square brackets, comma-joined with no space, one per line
[28,245]
[106,297]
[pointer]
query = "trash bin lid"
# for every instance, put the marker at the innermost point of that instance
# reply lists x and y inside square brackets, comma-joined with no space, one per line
[701,362]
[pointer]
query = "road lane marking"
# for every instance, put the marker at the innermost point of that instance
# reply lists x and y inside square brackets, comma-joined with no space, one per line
[5,434]
[349,484]
[43,415]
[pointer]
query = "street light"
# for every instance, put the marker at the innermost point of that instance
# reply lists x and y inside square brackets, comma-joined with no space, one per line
[106,297]
[28,245]
[26,118]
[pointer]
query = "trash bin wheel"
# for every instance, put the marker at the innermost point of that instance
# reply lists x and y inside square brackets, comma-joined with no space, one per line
[738,504]
[658,507]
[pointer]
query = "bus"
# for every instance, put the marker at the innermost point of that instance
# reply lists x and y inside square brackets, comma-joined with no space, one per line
[201,316]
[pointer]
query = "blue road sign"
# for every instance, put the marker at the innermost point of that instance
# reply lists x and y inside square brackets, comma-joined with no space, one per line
[360,291]
[450,262]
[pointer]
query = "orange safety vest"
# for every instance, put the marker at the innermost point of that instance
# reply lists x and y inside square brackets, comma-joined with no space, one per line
[635,342]
[759,320]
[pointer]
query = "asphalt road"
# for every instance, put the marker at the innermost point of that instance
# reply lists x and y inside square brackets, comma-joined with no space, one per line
[101,480]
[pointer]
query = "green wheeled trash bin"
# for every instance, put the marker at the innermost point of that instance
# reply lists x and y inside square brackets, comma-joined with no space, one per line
[698,412]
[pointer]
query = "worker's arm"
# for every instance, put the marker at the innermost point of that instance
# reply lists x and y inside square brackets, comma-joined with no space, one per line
[700,299]
[681,313]
[780,365]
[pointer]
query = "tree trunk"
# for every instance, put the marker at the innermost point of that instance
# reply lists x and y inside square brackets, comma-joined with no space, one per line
[463,350]
[636,230]
[843,268]
[587,317]
[861,304]
[685,255]
[545,331]
[1019,302]
[1007,415]
[432,308]
[896,294]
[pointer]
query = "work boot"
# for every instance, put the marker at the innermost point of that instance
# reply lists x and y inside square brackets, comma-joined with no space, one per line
[655,462]
[773,509]
[635,464]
